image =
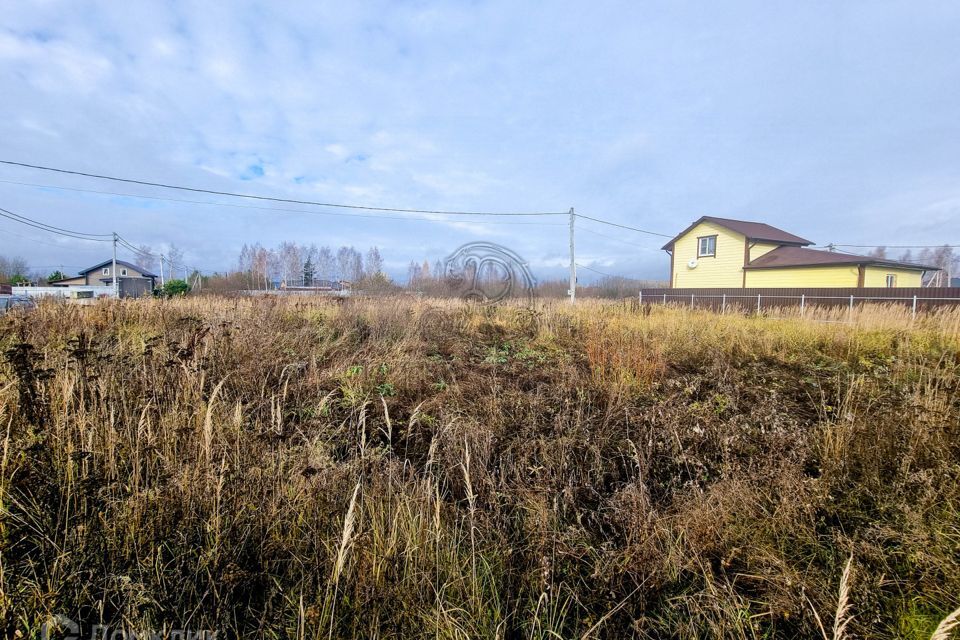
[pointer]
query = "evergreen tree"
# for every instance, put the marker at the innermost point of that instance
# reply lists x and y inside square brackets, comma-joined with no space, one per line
[308,271]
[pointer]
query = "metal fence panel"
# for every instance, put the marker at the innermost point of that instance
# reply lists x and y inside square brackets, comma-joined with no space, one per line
[756,299]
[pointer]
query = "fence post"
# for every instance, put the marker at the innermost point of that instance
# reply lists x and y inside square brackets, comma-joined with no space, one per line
[850,310]
[641,298]
[803,300]
[723,305]
[691,301]
[758,303]
[664,298]
[914,306]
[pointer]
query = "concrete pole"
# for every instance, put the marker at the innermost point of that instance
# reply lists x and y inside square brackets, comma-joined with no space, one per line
[113,269]
[161,270]
[573,262]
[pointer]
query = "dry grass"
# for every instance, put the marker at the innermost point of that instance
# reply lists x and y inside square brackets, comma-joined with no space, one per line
[397,469]
[945,629]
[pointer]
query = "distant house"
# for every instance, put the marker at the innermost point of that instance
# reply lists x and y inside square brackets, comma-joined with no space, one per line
[724,253]
[134,281]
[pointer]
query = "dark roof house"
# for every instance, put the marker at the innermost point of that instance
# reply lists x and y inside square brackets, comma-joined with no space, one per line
[134,281]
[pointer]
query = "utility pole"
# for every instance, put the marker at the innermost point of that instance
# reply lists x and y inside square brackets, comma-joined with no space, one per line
[161,270]
[113,272]
[573,263]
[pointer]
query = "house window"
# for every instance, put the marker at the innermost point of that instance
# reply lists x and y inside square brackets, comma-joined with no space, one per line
[123,272]
[106,271]
[707,246]
[891,280]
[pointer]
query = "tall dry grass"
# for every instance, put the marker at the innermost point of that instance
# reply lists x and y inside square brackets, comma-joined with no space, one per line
[394,469]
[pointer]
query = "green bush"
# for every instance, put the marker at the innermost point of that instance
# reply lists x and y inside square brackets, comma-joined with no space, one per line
[173,289]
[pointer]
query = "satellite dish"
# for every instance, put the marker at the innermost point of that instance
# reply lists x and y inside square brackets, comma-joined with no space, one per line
[692,264]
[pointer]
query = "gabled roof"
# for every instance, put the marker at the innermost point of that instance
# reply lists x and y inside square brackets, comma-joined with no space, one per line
[803,257]
[758,231]
[65,279]
[122,263]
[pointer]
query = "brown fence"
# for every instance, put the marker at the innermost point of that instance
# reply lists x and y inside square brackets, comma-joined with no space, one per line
[917,298]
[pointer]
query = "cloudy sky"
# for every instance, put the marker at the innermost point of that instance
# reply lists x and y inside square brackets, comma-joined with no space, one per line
[838,121]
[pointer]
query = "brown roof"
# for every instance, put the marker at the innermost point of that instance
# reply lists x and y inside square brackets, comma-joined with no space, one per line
[752,230]
[802,257]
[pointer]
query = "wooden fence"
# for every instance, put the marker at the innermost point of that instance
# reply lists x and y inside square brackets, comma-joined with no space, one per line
[917,298]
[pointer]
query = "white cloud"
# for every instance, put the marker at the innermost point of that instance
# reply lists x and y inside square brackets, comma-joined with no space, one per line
[645,114]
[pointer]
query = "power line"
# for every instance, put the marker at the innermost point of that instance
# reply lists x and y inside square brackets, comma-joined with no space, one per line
[632,244]
[126,244]
[622,226]
[609,275]
[280,209]
[55,266]
[273,199]
[49,228]
[898,246]
[28,238]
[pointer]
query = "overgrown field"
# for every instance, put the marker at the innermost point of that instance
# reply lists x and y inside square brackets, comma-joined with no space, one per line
[412,469]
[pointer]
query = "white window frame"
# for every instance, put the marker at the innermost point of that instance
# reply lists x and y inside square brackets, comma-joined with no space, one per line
[106,271]
[711,240]
[123,272]
[891,280]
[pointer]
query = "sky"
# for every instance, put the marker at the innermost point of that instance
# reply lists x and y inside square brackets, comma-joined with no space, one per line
[837,121]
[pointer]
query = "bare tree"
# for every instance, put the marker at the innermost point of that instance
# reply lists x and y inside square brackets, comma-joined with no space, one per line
[880,253]
[144,258]
[11,267]
[175,260]
[274,267]
[291,262]
[343,263]
[414,273]
[374,262]
[945,259]
[356,265]
[325,263]
[260,260]
[245,264]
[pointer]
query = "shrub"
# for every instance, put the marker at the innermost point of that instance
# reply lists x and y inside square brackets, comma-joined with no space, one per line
[174,288]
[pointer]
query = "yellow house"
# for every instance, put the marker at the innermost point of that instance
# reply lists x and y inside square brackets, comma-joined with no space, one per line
[724,253]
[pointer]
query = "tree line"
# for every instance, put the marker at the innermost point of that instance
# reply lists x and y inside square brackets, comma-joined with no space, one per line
[945,257]
[291,264]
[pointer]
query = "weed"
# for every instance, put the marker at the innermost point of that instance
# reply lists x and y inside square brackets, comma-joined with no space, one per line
[394,469]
